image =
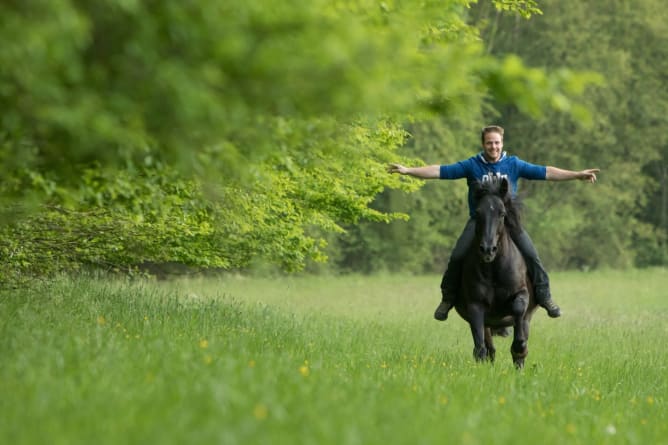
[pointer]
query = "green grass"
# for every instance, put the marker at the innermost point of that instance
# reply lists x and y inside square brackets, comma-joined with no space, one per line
[318,360]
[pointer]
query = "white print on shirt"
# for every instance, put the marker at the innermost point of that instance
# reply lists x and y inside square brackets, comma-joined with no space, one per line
[493,178]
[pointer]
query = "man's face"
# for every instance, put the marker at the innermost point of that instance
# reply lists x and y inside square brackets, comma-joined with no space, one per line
[493,146]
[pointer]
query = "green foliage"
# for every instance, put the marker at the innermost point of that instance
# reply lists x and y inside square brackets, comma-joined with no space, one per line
[608,224]
[259,127]
[554,89]
[618,125]
[525,8]
[437,213]
[116,220]
[124,75]
[148,212]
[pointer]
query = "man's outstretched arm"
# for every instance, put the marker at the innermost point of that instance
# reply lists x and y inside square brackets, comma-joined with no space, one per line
[427,172]
[558,174]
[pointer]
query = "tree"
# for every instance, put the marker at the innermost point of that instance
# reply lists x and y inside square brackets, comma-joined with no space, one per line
[254,127]
[608,225]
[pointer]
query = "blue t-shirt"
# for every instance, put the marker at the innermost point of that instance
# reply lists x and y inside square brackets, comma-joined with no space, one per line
[476,168]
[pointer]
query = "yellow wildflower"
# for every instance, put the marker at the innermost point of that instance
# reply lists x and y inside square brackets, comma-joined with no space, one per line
[304,370]
[260,411]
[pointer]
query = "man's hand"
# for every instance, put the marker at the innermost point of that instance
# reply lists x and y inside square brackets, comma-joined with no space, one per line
[589,175]
[397,168]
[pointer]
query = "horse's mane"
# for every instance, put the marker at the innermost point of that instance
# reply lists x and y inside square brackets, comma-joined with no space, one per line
[512,203]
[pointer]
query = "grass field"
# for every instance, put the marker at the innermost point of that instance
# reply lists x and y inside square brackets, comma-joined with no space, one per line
[325,360]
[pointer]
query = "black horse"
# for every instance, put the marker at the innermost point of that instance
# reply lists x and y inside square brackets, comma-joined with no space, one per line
[495,290]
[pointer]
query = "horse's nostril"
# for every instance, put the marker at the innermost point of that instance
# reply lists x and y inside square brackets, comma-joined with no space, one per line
[488,250]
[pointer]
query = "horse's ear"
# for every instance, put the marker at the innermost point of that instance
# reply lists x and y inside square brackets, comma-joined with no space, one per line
[503,188]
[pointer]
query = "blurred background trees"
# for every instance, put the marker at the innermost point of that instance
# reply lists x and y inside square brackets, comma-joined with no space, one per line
[621,221]
[228,134]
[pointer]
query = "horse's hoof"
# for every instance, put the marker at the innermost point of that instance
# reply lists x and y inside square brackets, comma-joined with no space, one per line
[553,311]
[480,354]
[442,310]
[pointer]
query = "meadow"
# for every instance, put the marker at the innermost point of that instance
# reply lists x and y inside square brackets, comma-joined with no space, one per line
[326,360]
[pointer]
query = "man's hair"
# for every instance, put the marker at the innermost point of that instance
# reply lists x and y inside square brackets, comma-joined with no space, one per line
[490,129]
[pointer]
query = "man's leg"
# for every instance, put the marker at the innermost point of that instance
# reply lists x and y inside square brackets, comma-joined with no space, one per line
[537,273]
[453,273]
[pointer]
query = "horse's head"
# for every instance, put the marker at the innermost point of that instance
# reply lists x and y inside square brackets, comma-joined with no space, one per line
[490,215]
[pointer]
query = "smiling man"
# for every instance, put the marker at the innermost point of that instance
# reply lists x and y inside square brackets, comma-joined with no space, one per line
[491,164]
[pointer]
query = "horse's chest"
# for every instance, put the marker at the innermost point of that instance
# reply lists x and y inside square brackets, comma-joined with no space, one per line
[494,284]
[492,291]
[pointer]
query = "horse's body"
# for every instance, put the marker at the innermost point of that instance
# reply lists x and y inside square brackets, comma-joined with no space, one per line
[495,291]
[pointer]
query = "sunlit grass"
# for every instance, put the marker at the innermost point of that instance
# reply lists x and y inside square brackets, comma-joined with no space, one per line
[353,360]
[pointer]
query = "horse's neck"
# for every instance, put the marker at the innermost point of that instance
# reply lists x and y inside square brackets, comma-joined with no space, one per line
[508,250]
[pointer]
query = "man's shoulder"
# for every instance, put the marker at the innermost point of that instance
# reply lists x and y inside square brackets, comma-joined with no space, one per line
[464,162]
[512,161]
[511,158]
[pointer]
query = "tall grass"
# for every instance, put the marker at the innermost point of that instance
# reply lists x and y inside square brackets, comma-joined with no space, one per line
[317,360]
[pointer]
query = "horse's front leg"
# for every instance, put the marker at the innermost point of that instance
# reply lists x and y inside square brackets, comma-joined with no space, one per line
[489,344]
[519,348]
[476,316]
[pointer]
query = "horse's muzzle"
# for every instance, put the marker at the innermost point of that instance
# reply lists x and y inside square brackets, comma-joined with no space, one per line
[488,252]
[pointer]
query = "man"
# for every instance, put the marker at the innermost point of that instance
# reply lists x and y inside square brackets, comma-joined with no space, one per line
[490,165]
